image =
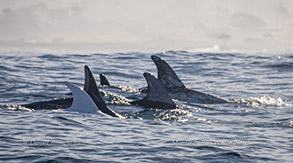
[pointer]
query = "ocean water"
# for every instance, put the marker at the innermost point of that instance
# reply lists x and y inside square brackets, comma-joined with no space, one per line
[255,127]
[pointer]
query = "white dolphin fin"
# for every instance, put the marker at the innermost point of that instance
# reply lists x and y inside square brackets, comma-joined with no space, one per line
[82,102]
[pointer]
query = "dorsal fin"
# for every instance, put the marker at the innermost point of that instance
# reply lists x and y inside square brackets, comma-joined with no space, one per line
[157,95]
[103,80]
[82,102]
[91,88]
[166,74]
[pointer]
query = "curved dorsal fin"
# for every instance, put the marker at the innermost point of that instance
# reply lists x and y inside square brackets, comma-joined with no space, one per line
[166,74]
[82,102]
[91,88]
[157,95]
[103,80]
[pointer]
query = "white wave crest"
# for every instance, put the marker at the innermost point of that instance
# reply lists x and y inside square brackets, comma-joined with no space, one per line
[16,107]
[262,101]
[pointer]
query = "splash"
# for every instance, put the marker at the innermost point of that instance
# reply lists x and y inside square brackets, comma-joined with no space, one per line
[128,89]
[176,115]
[15,108]
[291,124]
[262,101]
[111,98]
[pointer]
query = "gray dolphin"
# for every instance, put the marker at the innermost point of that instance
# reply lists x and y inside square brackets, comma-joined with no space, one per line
[177,89]
[103,80]
[157,95]
[92,90]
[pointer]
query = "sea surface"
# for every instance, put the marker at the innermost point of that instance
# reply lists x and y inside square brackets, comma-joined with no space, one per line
[257,126]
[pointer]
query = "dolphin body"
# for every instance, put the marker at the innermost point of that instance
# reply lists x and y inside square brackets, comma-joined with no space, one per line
[81,100]
[177,89]
[51,104]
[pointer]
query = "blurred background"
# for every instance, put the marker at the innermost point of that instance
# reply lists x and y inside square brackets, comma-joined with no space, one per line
[148,26]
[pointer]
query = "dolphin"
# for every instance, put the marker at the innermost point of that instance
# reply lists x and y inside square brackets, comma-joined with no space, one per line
[103,80]
[65,102]
[157,95]
[177,89]
[90,88]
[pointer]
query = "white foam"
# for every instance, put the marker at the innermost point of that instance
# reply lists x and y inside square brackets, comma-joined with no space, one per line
[262,101]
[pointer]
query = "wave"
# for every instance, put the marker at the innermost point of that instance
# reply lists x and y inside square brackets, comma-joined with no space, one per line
[15,107]
[262,101]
